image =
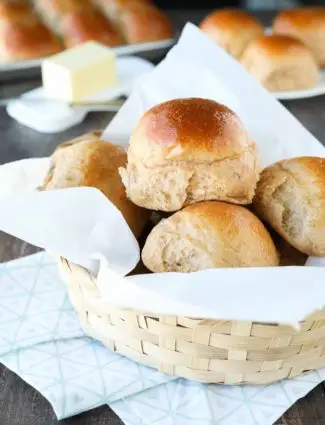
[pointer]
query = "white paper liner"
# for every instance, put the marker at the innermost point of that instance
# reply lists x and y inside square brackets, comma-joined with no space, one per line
[83,226]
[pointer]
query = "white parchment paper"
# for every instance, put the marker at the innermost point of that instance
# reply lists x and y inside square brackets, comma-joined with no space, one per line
[83,226]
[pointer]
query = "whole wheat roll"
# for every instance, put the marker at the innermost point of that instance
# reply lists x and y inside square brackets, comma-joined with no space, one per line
[22,34]
[290,197]
[281,63]
[90,161]
[139,21]
[189,150]
[307,24]
[209,235]
[232,29]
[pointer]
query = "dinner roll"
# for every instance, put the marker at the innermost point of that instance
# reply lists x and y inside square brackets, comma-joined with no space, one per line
[281,63]
[209,235]
[188,150]
[94,163]
[139,21]
[23,35]
[307,24]
[232,29]
[290,196]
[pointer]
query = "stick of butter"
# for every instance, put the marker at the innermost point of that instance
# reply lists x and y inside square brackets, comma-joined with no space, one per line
[79,73]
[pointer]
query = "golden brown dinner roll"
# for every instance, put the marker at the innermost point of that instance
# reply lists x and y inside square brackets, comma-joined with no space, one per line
[88,25]
[290,196]
[281,63]
[142,23]
[93,162]
[77,21]
[306,24]
[209,235]
[139,21]
[232,29]
[52,11]
[188,150]
[23,35]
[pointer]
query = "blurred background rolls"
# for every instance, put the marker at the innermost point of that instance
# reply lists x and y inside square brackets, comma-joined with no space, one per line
[77,21]
[281,63]
[307,24]
[232,29]
[23,35]
[138,21]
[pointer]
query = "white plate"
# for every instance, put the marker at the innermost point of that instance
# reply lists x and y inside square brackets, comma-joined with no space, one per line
[304,94]
[48,116]
[131,49]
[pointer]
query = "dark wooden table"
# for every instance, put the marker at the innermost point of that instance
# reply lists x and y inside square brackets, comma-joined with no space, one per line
[19,403]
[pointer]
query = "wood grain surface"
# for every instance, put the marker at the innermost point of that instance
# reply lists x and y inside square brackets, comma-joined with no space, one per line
[19,403]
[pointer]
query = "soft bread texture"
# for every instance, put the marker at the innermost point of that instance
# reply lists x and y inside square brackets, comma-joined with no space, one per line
[139,21]
[209,235]
[23,35]
[232,29]
[91,162]
[290,197]
[306,24]
[281,63]
[189,150]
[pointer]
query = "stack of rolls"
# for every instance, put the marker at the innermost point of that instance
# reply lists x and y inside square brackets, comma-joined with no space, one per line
[287,59]
[191,190]
[193,161]
[192,166]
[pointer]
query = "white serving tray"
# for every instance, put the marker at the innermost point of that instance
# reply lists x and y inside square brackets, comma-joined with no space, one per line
[149,50]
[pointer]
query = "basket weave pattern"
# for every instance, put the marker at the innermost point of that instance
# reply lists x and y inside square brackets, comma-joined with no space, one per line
[210,351]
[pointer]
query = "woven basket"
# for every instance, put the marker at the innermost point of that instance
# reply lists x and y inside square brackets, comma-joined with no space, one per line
[222,352]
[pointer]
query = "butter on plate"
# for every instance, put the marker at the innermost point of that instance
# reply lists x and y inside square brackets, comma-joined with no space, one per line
[79,73]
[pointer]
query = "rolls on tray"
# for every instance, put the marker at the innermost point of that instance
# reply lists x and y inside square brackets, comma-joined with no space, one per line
[288,56]
[40,28]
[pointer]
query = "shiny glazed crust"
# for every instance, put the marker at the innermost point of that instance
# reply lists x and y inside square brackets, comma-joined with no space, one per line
[189,150]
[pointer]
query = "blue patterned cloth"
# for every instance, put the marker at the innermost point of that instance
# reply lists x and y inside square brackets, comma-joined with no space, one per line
[41,340]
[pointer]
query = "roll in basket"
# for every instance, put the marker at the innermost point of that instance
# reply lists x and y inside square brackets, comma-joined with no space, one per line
[209,351]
